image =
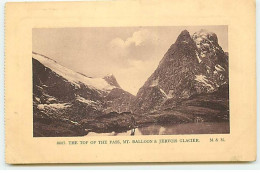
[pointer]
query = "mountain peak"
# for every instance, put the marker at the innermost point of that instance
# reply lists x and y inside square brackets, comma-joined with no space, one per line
[185,32]
[205,35]
[184,37]
[206,42]
[111,79]
[191,66]
[109,75]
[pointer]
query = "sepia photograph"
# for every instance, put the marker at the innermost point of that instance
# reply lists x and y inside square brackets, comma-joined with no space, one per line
[130,82]
[109,81]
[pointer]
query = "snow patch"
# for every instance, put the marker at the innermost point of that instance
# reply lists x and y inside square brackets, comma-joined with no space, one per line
[170,94]
[51,99]
[37,99]
[83,100]
[39,87]
[198,57]
[165,95]
[73,122]
[155,82]
[203,80]
[202,55]
[53,106]
[163,92]
[219,68]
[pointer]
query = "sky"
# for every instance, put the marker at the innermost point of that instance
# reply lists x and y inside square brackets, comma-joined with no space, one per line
[131,54]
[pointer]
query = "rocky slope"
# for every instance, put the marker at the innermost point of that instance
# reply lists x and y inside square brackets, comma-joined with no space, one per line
[193,66]
[64,96]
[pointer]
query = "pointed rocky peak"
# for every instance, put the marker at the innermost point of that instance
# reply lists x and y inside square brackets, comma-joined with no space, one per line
[184,38]
[185,70]
[110,78]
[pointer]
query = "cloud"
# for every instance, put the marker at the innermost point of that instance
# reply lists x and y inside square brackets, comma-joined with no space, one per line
[138,38]
[141,45]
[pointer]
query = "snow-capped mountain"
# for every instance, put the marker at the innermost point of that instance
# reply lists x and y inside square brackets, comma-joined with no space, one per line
[193,65]
[67,96]
[77,79]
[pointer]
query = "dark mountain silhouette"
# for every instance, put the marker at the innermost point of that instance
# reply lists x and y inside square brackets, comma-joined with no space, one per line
[192,66]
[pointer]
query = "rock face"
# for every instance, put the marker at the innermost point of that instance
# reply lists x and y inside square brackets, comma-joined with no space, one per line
[111,80]
[193,65]
[67,97]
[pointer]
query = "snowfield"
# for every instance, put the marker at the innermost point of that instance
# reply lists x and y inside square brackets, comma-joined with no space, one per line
[53,106]
[83,100]
[73,77]
[204,81]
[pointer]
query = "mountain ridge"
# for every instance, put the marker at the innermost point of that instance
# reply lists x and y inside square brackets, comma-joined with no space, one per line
[64,98]
[192,65]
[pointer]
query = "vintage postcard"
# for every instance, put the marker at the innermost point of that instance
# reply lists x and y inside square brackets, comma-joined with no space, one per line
[163,81]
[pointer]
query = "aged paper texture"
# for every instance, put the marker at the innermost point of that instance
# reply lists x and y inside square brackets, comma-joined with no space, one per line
[130,81]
